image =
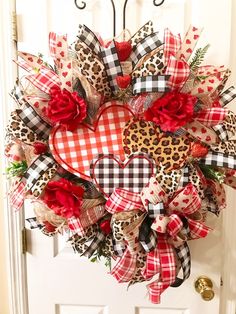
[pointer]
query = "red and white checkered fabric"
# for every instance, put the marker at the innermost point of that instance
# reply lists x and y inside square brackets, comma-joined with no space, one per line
[175,225]
[17,195]
[44,80]
[197,229]
[125,268]
[75,151]
[212,116]
[179,72]
[168,270]
[152,264]
[172,44]
[122,201]
[40,76]
[75,226]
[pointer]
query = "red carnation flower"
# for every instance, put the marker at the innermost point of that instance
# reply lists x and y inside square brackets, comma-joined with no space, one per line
[66,108]
[64,198]
[172,111]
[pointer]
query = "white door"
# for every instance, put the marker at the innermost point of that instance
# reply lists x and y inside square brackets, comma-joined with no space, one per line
[60,281]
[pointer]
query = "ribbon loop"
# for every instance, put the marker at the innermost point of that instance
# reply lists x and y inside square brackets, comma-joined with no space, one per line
[156,209]
[150,84]
[37,169]
[145,46]
[112,64]
[122,200]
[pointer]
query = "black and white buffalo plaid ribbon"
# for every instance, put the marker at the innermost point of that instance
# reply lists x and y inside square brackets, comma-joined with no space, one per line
[17,93]
[112,64]
[221,131]
[227,96]
[145,46]
[150,83]
[33,121]
[147,236]
[219,160]
[183,253]
[156,209]
[89,38]
[100,237]
[33,223]
[184,180]
[108,55]
[37,169]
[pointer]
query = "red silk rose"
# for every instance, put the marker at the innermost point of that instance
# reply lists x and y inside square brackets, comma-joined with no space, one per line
[66,108]
[64,198]
[172,111]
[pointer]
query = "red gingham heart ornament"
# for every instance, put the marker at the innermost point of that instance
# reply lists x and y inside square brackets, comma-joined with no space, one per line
[74,151]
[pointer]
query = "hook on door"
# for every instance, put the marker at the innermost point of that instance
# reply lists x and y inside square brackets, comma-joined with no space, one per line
[83,6]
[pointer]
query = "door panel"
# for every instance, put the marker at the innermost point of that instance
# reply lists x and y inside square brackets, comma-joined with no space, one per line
[58,280]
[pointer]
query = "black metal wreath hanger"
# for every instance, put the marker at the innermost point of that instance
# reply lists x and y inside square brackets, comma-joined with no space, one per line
[82,6]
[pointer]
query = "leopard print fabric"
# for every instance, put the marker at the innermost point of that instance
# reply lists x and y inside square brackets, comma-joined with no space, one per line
[122,220]
[108,249]
[78,243]
[154,65]
[17,129]
[169,181]
[227,128]
[143,32]
[93,69]
[140,266]
[228,147]
[198,180]
[43,181]
[143,136]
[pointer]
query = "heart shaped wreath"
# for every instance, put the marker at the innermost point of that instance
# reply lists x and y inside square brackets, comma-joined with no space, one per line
[124,147]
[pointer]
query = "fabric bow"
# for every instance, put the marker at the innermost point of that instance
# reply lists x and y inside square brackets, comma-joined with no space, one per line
[170,217]
[135,232]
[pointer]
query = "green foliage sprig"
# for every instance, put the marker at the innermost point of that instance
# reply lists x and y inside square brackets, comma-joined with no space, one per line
[198,58]
[16,169]
[212,173]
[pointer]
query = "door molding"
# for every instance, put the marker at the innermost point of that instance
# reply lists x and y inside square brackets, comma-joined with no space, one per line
[13,222]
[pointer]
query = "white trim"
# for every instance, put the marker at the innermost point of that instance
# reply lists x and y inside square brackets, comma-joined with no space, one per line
[13,221]
[228,291]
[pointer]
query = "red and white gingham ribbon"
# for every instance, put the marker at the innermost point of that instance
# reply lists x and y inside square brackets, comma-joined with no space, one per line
[212,116]
[166,260]
[122,200]
[88,217]
[124,269]
[17,195]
